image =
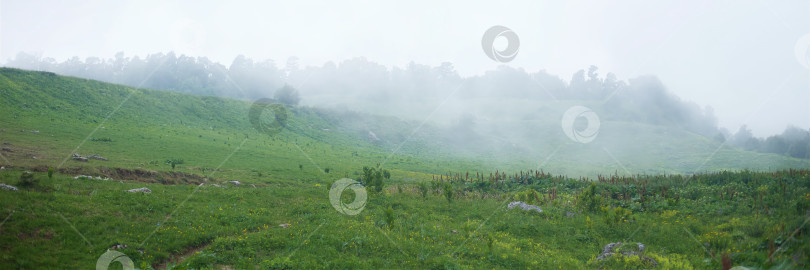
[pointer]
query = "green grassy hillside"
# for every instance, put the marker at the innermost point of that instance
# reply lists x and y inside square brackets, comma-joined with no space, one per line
[281,216]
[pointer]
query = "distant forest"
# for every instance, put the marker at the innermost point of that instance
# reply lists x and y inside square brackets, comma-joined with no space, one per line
[644,99]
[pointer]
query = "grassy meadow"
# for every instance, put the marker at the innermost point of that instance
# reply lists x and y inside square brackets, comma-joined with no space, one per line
[437,209]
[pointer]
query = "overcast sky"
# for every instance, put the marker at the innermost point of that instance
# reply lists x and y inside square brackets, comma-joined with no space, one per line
[736,56]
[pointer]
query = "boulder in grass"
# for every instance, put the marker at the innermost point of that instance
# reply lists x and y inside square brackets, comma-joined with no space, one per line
[235,183]
[78,157]
[525,206]
[97,157]
[285,225]
[143,189]
[7,187]
[627,250]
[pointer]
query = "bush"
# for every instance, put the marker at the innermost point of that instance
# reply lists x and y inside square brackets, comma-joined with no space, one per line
[50,173]
[174,162]
[373,178]
[615,215]
[27,180]
[423,189]
[448,192]
[528,196]
[589,200]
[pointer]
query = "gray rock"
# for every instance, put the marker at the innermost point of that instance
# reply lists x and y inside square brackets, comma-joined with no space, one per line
[6,149]
[97,157]
[235,183]
[79,157]
[612,248]
[143,189]
[7,187]
[525,206]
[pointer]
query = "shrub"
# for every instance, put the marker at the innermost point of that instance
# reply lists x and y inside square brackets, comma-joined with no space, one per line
[50,173]
[589,200]
[373,178]
[615,215]
[423,189]
[27,180]
[174,162]
[528,196]
[448,192]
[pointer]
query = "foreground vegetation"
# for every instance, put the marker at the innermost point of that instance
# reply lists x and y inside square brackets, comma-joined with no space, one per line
[749,218]
[426,208]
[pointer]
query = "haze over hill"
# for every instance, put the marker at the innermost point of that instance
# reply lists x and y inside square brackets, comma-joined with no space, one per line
[479,104]
[739,58]
[404,135]
[518,133]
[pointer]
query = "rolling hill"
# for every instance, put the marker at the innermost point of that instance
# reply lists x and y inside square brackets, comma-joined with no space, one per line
[429,214]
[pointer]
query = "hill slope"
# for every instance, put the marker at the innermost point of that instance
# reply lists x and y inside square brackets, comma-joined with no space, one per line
[147,126]
[282,216]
